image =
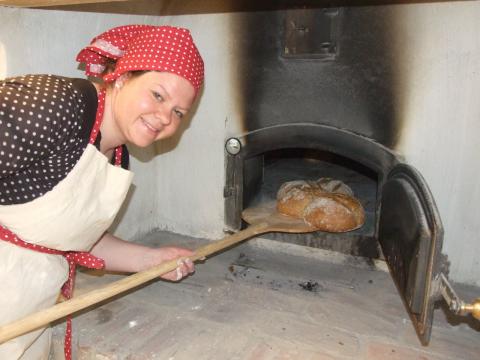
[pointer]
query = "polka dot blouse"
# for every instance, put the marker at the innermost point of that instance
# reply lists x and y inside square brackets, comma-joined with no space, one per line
[45,123]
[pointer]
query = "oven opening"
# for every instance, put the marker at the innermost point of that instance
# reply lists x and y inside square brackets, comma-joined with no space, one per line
[264,174]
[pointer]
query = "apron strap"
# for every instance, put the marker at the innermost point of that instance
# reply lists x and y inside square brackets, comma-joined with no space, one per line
[98,122]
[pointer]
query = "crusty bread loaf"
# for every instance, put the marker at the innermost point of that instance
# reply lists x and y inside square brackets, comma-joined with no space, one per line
[326,204]
[335,212]
[293,197]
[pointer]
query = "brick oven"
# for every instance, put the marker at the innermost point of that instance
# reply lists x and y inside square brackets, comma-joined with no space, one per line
[319,102]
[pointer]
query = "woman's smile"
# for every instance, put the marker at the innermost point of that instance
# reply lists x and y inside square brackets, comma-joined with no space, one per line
[154,130]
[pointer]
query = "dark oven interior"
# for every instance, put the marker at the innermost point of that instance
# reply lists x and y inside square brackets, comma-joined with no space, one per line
[265,173]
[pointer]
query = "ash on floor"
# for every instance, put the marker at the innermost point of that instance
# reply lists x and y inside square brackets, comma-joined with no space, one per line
[256,301]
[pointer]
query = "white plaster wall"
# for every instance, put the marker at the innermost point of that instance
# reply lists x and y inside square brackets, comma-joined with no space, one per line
[3,62]
[178,183]
[438,53]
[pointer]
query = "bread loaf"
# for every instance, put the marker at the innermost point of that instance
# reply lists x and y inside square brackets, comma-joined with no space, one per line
[326,204]
[293,197]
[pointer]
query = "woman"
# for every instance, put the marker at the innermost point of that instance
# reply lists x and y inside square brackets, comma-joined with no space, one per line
[63,166]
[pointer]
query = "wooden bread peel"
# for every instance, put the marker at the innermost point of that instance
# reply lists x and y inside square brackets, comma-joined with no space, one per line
[262,219]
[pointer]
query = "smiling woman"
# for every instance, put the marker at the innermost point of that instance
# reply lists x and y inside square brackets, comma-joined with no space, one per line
[142,106]
[63,157]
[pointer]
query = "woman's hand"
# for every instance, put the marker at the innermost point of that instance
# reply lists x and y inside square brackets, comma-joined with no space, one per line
[121,255]
[164,254]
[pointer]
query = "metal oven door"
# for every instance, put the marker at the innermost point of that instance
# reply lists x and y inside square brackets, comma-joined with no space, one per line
[410,233]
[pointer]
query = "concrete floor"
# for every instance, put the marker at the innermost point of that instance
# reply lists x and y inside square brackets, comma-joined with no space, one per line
[264,300]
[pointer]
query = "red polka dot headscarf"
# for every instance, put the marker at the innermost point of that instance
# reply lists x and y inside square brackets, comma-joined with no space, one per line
[144,47]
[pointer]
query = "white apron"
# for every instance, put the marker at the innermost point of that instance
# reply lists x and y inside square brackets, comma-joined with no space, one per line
[72,216]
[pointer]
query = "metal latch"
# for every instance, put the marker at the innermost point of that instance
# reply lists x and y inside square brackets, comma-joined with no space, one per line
[455,304]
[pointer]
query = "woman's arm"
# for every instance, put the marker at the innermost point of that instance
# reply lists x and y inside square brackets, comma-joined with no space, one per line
[121,255]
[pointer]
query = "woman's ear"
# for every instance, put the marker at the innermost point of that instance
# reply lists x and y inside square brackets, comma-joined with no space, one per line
[120,81]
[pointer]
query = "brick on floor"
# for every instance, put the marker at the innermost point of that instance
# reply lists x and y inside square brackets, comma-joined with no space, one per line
[266,351]
[448,343]
[385,351]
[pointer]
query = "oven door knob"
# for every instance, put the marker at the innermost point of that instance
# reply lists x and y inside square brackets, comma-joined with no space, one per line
[473,308]
[233,146]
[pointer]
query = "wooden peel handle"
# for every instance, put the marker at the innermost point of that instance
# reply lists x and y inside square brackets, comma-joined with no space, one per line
[46,316]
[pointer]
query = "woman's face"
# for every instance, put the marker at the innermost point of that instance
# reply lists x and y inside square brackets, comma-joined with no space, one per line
[150,106]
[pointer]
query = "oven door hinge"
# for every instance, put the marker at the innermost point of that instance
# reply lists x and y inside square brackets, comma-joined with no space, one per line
[455,304]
